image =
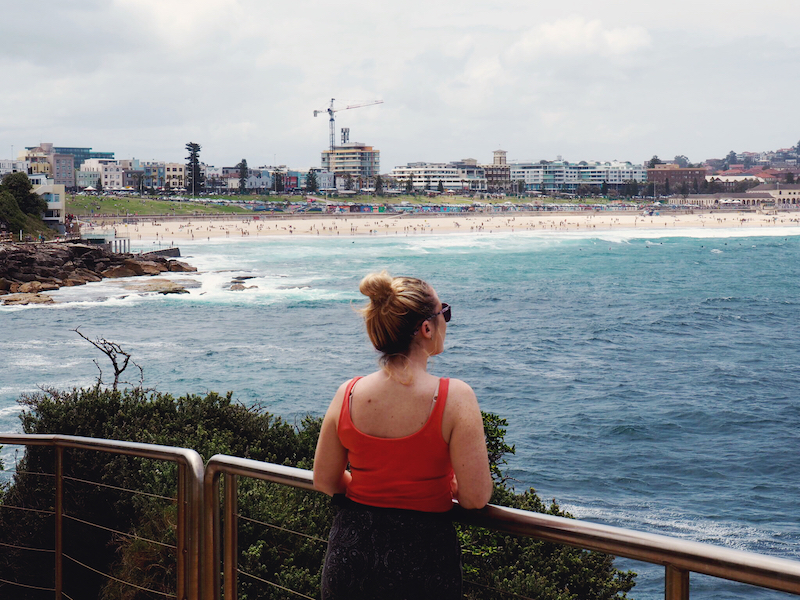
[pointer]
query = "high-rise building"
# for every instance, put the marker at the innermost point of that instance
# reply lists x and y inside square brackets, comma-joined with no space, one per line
[356,159]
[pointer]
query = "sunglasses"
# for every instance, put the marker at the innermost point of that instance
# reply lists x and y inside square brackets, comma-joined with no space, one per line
[445,312]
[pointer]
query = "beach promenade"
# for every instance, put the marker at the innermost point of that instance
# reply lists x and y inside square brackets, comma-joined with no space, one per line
[172,229]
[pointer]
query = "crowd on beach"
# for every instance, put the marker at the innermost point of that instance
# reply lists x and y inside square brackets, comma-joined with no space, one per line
[197,228]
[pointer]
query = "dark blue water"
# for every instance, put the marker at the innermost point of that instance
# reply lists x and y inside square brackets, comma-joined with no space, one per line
[648,382]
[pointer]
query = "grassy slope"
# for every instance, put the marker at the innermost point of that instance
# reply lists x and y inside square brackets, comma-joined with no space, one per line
[110,205]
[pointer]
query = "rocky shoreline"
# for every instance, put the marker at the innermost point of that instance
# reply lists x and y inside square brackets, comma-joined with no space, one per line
[27,270]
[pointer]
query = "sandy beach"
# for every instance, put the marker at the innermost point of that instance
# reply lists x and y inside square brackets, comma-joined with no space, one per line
[171,230]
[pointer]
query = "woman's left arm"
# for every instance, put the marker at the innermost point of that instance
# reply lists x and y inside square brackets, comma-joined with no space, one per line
[330,459]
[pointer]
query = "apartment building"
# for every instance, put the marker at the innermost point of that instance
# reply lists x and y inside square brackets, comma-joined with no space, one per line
[110,172]
[670,177]
[175,176]
[56,197]
[498,174]
[356,159]
[461,177]
[12,166]
[563,176]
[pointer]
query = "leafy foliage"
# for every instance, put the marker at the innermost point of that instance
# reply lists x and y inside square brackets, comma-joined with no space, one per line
[311,181]
[195,180]
[244,173]
[213,424]
[15,220]
[19,186]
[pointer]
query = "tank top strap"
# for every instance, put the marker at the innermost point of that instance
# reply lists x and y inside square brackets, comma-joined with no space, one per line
[344,414]
[441,399]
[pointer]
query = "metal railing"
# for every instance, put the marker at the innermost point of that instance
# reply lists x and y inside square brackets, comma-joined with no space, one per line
[189,499]
[202,567]
[679,557]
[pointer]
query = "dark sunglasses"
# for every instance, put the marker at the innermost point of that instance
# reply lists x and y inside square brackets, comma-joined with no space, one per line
[445,312]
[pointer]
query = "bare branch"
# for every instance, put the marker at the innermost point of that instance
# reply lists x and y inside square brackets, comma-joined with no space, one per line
[118,357]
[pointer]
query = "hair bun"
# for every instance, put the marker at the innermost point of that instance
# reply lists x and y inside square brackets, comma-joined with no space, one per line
[377,287]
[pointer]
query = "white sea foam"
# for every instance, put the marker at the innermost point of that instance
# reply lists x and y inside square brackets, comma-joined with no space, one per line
[643,517]
[8,411]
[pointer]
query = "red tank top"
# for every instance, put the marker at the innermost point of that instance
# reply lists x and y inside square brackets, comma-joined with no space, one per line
[411,472]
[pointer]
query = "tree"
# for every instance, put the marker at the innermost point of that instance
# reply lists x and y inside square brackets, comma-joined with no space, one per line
[311,181]
[604,188]
[631,188]
[378,186]
[348,181]
[19,186]
[731,158]
[789,177]
[682,161]
[279,183]
[194,176]
[15,220]
[410,184]
[440,187]
[244,172]
[521,186]
[139,177]
[651,164]
[666,186]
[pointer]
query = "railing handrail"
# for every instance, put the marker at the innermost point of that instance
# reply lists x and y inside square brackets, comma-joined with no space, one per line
[190,490]
[678,556]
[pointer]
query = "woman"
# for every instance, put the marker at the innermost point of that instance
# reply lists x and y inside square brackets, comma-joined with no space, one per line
[413,442]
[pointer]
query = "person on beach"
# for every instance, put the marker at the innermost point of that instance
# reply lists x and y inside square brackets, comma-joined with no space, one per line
[413,442]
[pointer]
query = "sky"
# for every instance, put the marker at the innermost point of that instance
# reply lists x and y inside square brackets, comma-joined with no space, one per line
[584,80]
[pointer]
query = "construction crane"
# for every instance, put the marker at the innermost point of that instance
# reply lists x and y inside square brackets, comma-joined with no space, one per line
[330,110]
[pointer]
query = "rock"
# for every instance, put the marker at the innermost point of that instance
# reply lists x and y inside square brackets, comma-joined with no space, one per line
[34,287]
[177,266]
[162,286]
[152,268]
[24,299]
[119,271]
[5,285]
[87,275]
[73,281]
[236,287]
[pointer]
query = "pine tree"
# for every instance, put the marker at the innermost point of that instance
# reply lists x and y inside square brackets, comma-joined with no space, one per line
[194,176]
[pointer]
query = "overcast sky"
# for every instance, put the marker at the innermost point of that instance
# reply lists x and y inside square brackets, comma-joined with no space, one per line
[585,79]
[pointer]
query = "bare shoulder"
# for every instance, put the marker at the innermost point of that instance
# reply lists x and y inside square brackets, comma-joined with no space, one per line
[461,394]
[336,404]
[461,410]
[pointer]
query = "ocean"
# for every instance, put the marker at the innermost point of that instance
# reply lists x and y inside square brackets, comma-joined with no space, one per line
[649,382]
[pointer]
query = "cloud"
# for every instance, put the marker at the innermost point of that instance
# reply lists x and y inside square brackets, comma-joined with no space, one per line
[577,38]
[242,77]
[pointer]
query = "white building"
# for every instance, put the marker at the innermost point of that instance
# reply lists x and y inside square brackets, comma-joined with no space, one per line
[56,198]
[12,166]
[559,175]
[110,172]
[457,177]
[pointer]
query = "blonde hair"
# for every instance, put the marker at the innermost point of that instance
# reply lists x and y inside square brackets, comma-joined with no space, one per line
[397,307]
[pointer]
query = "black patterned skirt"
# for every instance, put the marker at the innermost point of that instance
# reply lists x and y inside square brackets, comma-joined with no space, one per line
[391,554]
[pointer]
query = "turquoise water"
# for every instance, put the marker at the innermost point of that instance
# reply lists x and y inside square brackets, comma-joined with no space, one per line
[649,382]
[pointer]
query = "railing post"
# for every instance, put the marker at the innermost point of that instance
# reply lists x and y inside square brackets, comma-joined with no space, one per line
[231,536]
[676,583]
[59,510]
[182,535]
